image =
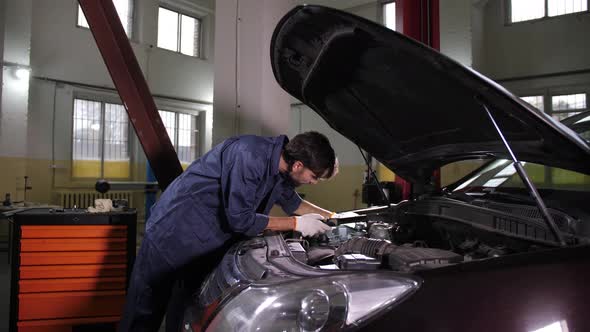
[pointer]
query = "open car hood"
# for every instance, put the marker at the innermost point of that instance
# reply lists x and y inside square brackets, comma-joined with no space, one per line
[408,105]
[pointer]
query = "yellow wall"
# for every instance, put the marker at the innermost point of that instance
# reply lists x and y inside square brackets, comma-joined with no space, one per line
[556,178]
[12,172]
[385,174]
[449,173]
[43,191]
[41,173]
[343,192]
[338,194]
[91,169]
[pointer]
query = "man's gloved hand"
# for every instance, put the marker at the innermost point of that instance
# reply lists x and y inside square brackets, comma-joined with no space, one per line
[311,224]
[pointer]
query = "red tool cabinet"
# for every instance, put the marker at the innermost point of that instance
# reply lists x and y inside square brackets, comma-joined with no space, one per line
[70,269]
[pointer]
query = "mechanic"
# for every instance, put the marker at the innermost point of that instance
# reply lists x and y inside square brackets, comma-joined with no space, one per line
[220,198]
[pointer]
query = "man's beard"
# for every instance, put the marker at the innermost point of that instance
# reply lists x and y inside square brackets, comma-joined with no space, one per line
[294,181]
[289,177]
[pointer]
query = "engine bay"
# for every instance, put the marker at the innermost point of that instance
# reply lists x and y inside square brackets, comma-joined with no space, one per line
[432,233]
[408,237]
[370,246]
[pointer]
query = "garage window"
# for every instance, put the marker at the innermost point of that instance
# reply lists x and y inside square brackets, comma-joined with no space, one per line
[536,101]
[562,7]
[564,106]
[124,10]
[183,131]
[178,32]
[526,10]
[389,15]
[100,140]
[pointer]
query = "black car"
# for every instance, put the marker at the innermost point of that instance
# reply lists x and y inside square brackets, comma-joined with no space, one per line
[507,248]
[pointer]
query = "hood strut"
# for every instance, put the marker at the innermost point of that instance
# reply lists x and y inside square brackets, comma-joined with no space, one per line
[371,175]
[527,182]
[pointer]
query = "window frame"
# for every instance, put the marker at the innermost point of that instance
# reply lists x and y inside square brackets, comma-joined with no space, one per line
[199,46]
[103,99]
[198,126]
[543,98]
[548,95]
[508,13]
[131,24]
[382,5]
[571,92]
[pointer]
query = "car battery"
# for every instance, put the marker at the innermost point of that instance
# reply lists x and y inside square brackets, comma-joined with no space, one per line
[70,269]
[357,262]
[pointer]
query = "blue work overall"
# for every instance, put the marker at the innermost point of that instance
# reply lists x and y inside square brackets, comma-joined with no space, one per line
[224,195]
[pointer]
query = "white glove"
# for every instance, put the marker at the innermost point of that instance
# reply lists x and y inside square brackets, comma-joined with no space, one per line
[311,224]
[101,205]
[348,214]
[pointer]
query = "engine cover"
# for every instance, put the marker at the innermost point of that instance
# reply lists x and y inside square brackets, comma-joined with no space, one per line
[412,258]
[405,258]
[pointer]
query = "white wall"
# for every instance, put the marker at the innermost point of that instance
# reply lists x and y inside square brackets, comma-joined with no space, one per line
[2,5]
[304,119]
[15,92]
[477,26]
[455,30]
[248,100]
[545,57]
[371,11]
[63,52]
[553,45]
[36,123]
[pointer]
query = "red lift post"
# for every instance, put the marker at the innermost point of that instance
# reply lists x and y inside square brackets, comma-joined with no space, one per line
[120,60]
[418,19]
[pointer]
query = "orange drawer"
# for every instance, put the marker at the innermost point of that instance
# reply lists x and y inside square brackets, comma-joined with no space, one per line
[57,258]
[70,284]
[72,271]
[101,244]
[62,325]
[70,304]
[100,231]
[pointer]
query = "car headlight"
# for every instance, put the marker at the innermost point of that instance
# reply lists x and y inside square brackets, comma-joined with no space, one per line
[313,304]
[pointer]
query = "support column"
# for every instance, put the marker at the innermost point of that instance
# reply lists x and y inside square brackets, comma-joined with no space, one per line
[247,99]
[16,45]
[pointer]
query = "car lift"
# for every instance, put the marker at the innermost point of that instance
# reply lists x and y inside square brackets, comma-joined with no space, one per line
[124,69]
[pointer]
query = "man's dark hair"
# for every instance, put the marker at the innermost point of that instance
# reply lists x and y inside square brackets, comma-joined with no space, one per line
[313,150]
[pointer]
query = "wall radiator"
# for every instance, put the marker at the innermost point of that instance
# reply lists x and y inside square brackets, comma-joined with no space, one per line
[84,199]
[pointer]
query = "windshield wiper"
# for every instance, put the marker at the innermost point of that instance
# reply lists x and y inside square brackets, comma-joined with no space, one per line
[495,195]
[527,181]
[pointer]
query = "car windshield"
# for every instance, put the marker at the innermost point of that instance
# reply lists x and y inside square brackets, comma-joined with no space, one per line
[500,173]
[581,125]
